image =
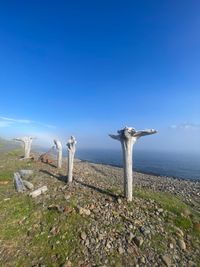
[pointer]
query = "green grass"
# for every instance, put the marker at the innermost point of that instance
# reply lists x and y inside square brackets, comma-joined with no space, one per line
[174,205]
[26,236]
[166,200]
[14,153]
[24,223]
[6,175]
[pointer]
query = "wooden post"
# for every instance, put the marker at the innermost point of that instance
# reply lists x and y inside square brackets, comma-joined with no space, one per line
[27,141]
[128,136]
[59,156]
[71,145]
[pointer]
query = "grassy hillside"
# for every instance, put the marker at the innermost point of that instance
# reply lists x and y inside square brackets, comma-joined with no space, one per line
[89,223]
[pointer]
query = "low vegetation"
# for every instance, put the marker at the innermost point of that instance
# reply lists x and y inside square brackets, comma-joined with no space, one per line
[52,230]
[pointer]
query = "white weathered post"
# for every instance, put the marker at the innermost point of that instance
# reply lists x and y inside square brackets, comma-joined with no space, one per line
[71,145]
[59,156]
[27,141]
[128,136]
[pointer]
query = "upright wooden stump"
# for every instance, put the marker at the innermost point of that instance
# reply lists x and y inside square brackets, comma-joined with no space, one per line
[128,136]
[59,155]
[27,141]
[71,145]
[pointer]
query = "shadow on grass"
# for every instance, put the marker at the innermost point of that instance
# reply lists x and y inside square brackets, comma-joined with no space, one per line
[100,190]
[60,177]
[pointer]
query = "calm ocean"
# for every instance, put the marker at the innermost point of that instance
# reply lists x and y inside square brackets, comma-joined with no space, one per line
[181,165]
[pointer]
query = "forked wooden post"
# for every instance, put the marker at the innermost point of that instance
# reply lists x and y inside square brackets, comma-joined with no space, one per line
[128,136]
[27,141]
[71,145]
[59,156]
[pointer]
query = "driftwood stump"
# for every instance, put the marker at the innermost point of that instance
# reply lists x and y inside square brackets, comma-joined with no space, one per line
[59,156]
[71,146]
[128,136]
[26,141]
[19,185]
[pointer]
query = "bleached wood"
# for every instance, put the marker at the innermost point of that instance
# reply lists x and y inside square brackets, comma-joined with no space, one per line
[38,191]
[59,156]
[71,146]
[19,185]
[128,137]
[26,141]
[28,185]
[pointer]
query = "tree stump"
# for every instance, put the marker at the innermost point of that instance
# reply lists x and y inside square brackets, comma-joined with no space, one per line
[59,156]
[26,141]
[128,137]
[71,146]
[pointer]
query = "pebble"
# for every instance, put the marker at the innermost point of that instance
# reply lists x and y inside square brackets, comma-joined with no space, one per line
[142,260]
[67,264]
[119,201]
[179,231]
[182,244]
[121,250]
[83,236]
[84,211]
[166,260]
[160,210]
[144,231]
[130,237]
[138,240]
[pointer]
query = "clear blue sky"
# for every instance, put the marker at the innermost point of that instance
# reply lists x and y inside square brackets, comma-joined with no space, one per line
[91,67]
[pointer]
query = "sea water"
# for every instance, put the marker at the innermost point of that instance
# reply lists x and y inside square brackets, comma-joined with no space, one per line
[175,164]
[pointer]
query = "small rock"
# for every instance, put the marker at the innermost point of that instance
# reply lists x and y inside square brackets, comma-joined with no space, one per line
[54,230]
[83,236]
[179,232]
[108,245]
[166,260]
[160,210]
[84,211]
[67,197]
[138,240]
[130,237]
[182,244]
[144,231]
[87,242]
[171,245]
[67,264]
[142,260]
[119,201]
[121,250]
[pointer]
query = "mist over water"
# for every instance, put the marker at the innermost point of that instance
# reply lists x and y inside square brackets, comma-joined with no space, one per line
[176,164]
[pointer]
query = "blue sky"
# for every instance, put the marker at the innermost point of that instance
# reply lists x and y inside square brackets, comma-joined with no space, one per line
[89,68]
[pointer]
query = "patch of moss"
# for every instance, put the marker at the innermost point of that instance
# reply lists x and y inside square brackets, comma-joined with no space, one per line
[6,175]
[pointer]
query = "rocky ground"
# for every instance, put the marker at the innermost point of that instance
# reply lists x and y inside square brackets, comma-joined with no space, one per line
[89,223]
